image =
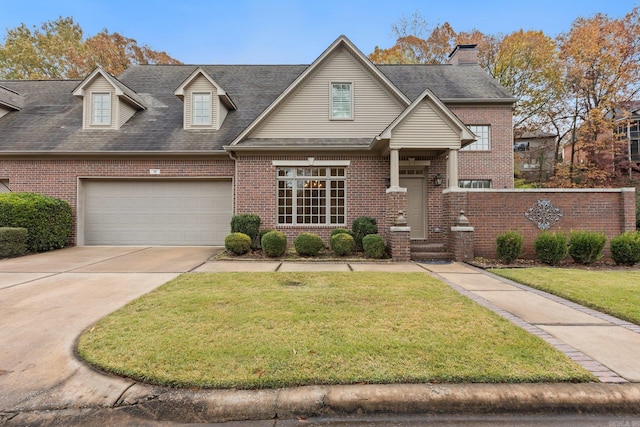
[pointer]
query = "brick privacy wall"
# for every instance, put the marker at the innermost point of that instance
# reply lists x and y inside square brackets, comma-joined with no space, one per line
[494,212]
[366,179]
[59,178]
[497,163]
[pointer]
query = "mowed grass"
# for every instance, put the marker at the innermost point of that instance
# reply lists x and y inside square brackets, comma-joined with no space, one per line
[615,292]
[266,330]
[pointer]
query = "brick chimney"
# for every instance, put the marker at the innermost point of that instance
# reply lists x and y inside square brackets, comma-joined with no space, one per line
[464,54]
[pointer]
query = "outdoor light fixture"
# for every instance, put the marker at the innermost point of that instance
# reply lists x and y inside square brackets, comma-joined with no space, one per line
[437,180]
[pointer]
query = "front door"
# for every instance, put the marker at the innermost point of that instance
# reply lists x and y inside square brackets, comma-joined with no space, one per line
[415,205]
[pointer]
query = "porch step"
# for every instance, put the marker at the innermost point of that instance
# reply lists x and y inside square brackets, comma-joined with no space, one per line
[422,250]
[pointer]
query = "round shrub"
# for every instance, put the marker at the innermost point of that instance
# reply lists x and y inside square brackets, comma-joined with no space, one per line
[48,220]
[308,244]
[551,247]
[625,248]
[338,231]
[585,247]
[373,245]
[274,243]
[342,244]
[263,232]
[509,246]
[237,243]
[361,227]
[248,224]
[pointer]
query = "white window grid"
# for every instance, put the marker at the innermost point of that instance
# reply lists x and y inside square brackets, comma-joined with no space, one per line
[101,109]
[311,196]
[474,183]
[201,111]
[483,143]
[341,101]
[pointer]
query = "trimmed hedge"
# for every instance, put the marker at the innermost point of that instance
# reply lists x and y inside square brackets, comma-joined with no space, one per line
[551,247]
[237,243]
[274,243]
[585,247]
[625,248]
[373,245]
[248,224]
[342,244]
[338,231]
[48,220]
[509,246]
[13,241]
[308,244]
[361,227]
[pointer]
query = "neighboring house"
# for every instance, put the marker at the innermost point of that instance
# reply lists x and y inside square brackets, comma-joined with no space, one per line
[166,154]
[535,155]
[628,129]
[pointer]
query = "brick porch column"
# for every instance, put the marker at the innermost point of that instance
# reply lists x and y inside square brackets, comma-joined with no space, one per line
[398,235]
[461,239]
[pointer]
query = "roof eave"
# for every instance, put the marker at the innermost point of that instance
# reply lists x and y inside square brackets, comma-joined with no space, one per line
[479,100]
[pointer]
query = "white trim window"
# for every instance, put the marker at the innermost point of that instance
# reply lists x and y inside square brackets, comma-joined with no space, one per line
[474,183]
[483,143]
[101,109]
[201,108]
[311,195]
[341,101]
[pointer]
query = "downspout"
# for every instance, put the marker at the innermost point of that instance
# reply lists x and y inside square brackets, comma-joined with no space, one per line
[235,181]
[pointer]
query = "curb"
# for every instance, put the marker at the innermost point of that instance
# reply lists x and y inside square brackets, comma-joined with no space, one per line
[210,406]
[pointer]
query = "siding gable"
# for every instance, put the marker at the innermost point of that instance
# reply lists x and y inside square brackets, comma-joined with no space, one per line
[124,102]
[99,85]
[305,112]
[200,85]
[425,128]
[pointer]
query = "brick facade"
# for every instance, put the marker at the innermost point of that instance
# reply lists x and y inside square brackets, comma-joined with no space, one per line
[59,178]
[366,180]
[497,163]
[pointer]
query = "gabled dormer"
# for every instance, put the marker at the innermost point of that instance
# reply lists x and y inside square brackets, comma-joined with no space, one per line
[107,102]
[10,101]
[206,104]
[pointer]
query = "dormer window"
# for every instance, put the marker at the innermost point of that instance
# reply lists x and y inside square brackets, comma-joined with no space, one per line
[201,108]
[206,104]
[341,101]
[106,102]
[101,109]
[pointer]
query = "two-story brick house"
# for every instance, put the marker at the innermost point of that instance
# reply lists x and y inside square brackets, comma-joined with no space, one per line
[165,155]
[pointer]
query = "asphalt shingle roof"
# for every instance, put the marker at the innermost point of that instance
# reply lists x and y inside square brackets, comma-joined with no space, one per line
[51,120]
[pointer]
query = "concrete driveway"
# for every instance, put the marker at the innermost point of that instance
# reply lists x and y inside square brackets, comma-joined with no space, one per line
[47,300]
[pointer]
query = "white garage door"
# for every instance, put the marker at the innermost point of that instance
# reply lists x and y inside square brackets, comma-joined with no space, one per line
[178,212]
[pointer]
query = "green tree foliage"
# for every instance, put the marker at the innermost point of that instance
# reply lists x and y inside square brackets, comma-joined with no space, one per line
[58,50]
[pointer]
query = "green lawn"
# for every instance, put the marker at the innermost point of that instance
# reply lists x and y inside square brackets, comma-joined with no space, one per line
[616,292]
[236,330]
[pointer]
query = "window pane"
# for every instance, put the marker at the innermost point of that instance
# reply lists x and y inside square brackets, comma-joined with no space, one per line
[483,135]
[341,100]
[101,109]
[201,109]
[314,194]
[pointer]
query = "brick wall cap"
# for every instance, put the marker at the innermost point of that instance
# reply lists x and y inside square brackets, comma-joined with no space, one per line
[396,190]
[461,229]
[537,190]
[400,229]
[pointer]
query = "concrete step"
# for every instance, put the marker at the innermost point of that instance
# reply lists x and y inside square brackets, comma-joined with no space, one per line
[431,256]
[427,247]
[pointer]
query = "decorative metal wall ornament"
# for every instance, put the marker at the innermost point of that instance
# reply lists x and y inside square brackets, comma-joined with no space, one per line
[543,214]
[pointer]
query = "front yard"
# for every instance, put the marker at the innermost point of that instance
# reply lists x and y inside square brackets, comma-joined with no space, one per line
[238,330]
[615,292]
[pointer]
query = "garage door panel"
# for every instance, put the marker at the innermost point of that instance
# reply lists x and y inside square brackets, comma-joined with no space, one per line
[157,212]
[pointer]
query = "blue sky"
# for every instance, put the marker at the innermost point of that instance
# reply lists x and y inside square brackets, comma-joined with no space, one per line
[292,31]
